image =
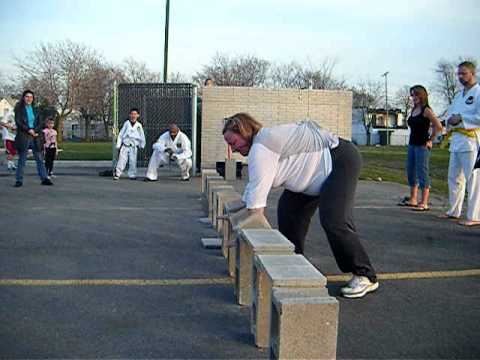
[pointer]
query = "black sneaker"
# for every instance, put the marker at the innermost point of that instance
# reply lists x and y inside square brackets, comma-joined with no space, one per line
[149,180]
[18,184]
[47,182]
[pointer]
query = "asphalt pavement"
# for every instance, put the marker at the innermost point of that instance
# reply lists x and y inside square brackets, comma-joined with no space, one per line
[88,227]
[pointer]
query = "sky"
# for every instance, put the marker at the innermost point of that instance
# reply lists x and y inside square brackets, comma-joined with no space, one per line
[365,37]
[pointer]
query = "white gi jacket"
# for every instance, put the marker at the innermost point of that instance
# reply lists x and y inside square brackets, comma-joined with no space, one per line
[468,106]
[180,146]
[131,135]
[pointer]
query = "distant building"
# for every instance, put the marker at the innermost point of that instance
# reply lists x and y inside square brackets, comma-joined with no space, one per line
[6,106]
[74,128]
[397,127]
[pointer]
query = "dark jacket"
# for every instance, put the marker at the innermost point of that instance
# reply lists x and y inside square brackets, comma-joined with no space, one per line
[22,137]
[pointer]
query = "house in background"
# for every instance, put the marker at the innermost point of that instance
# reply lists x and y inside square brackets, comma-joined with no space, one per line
[6,106]
[74,128]
[377,118]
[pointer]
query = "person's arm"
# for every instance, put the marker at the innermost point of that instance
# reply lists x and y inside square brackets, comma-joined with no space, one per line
[436,126]
[160,144]
[142,136]
[20,121]
[120,135]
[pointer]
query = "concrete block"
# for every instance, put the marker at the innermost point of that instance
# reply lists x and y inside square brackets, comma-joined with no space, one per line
[219,200]
[211,243]
[230,170]
[210,178]
[205,221]
[208,192]
[206,172]
[251,242]
[212,190]
[277,271]
[304,324]
[228,243]
[215,190]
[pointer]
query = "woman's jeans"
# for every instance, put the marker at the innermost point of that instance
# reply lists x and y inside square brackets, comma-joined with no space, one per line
[22,158]
[418,160]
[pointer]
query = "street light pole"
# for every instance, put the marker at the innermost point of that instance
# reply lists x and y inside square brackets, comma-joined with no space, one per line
[165,51]
[386,104]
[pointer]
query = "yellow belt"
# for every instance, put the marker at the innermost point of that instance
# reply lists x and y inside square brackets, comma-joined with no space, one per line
[471,133]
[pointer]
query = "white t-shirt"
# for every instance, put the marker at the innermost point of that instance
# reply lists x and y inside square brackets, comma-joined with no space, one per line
[274,162]
[468,106]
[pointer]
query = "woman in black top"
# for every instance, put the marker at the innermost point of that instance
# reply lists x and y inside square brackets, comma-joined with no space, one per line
[419,147]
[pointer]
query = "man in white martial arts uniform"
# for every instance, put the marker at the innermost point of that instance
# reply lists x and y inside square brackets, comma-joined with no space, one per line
[171,145]
[130,137]
[464,126]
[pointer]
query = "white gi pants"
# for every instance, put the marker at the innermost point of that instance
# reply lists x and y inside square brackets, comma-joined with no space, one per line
[160,158]
[460,170]
[127,154]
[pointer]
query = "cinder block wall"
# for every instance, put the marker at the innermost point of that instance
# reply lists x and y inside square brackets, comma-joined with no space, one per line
[330,109]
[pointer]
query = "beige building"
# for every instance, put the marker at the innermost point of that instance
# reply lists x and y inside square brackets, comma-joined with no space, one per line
[330,109]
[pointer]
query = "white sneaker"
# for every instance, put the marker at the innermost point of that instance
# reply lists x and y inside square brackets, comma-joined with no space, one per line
[358,287]
[115,177]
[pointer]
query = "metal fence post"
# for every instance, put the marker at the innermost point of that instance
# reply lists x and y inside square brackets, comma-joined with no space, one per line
[115,124]
[194,131]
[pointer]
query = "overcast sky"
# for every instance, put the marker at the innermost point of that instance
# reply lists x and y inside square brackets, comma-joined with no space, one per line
[366,37]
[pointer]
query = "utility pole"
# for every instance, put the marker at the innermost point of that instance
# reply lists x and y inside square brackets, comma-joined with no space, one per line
[165,50]
[386,104]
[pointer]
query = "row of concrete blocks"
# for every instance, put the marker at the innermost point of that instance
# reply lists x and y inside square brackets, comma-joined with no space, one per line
[291,312]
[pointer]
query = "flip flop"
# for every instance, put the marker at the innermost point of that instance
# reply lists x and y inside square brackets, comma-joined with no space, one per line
[421,208]
[469,223]
[405,202]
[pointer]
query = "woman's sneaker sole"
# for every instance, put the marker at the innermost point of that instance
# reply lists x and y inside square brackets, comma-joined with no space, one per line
[368,289]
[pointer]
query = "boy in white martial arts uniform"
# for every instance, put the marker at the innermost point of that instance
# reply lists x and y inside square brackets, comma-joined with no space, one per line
[8,136]
[171,145]
[464,126]
[130,137]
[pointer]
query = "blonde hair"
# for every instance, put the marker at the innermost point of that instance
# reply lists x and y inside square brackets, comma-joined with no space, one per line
[243,124]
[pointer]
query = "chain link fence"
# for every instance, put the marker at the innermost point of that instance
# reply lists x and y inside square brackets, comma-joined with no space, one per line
[159,105]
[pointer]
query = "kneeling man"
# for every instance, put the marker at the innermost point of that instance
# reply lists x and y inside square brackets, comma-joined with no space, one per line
[171,145]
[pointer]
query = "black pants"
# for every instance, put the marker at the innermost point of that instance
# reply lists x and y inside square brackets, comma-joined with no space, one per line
[50,154]
[335,205]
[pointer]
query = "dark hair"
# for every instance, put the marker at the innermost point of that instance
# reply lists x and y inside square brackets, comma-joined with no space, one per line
[243,124]
[421,92]
[50,118]
[134,109]
[469,65]
[21,103]
[207,80]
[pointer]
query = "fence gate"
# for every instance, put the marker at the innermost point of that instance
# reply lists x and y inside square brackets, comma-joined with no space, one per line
[159,105]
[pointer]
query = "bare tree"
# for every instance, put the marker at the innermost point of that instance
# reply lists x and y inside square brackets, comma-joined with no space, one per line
[289,75]
[138,72]
[96,96]
[57,72]
[403,100]
[446,84]
[178,78]
[314,76]
[8,87]
[246,70]
[367,95]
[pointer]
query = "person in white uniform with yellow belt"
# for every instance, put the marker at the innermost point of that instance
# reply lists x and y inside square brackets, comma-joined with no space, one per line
[463,125]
